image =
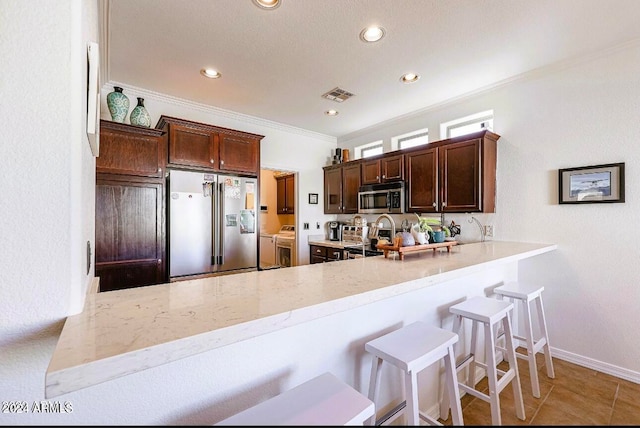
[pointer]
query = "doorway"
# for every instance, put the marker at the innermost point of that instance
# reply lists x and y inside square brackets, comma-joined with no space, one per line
[277,216]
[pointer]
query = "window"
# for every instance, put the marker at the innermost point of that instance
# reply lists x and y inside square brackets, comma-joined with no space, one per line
[368,150]
[411,139]
[466,125]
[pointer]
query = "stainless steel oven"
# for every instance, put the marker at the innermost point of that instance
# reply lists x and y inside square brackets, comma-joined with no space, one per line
[381,198]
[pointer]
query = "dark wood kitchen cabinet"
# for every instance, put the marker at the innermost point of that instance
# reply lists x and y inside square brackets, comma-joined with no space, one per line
[285,186]
[206,147]
[129,213]
[130,150]
[323,254]
[129,233]
[384,169]
[341,184]
[422,180]
[455,175]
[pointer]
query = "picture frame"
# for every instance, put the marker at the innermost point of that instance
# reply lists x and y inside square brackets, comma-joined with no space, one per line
[313,198]
[93,97]
[591,184]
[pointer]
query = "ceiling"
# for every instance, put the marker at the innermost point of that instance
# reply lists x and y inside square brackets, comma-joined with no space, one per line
[276,64]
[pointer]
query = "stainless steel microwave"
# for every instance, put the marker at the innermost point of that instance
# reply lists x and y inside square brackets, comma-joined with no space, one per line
[383,198]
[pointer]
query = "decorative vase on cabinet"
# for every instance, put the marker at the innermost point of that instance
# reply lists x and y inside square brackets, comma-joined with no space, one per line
[118,104]
[139,115]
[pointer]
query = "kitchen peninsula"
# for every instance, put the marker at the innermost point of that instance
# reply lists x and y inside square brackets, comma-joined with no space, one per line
[126,331]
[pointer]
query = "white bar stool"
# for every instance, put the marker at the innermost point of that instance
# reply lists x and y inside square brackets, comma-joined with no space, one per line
[491,313]
[413,348]
[323,400]
[529,294]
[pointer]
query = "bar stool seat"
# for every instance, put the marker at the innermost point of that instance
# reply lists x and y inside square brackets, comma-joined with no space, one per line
[528,295]
[491,313]
[411,349]
[323,400]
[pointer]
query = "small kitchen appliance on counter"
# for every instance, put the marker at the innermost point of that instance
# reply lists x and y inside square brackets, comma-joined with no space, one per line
[335,231]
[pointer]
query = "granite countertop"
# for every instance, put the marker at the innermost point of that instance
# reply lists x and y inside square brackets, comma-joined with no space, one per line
[125,331]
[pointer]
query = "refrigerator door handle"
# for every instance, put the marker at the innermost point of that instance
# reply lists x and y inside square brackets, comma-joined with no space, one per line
[221,226]
[216,226]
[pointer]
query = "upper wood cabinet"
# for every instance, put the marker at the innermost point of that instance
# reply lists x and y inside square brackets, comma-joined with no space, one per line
[130,150]
[333,190]
[455,175]
[341,184]
[350,185]
[286,194]
[422,180]
[387,168]
[239,152]
[201,146]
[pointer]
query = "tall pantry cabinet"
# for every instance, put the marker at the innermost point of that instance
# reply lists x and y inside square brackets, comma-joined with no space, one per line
[130,222]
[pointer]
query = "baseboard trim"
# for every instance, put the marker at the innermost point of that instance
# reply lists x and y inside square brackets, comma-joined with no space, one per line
[590,363]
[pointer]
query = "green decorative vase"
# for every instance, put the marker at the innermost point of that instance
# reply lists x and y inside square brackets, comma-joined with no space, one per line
[118,104]
[139,115]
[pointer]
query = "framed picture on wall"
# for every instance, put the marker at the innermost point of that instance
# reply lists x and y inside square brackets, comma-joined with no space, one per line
[93,98]
[591,184]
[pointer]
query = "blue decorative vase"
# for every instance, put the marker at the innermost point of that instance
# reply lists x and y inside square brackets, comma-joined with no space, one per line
[139,115]
[118,104]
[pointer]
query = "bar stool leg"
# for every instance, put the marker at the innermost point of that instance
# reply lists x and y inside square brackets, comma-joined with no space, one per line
[545,335]
[531,350]
[451,380]
[492,374]
[445,403]
[517,391]
[471,375]
[374,384]
[411,398]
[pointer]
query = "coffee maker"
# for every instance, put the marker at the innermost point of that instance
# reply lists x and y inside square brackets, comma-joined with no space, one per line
[335,231]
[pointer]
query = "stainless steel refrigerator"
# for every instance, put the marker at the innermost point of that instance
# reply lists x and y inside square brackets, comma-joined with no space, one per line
[212,223]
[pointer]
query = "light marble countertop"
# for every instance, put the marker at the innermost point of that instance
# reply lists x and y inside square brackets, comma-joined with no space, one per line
[329,243]
[125,331]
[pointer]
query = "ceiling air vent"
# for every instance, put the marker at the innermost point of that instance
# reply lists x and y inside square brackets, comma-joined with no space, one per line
[338,95]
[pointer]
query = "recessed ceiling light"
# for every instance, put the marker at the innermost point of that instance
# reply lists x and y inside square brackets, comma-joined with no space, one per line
[267,4]
[331,112]
[372,34]
[409,78]
[210,73]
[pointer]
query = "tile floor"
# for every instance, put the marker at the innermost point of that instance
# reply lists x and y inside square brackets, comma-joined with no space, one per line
[576,396]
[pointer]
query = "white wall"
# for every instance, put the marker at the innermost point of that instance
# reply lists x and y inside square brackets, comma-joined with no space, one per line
[583,113]
[575,116]
[47,173]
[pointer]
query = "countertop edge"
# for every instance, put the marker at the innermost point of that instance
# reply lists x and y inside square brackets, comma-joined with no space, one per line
[69,379]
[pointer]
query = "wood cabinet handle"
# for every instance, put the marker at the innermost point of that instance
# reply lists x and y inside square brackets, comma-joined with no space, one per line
[384,176]
[221,162]
[434,205]
[212,161]
[159,170]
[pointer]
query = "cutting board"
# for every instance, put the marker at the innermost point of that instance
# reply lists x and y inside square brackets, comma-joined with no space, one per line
[413,248]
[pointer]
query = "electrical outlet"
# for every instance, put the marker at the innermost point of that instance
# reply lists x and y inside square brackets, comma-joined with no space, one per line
[488,230]
[317,225]
[306,226]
